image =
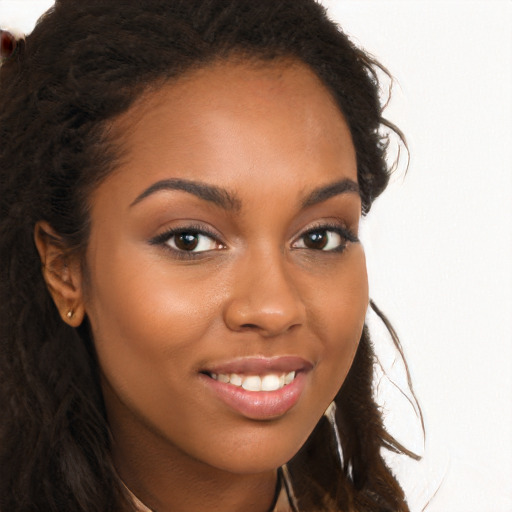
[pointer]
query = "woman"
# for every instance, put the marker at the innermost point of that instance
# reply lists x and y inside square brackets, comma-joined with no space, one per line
[183,291]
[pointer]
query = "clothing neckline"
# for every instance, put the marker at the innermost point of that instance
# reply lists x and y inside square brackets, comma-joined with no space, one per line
[284,499]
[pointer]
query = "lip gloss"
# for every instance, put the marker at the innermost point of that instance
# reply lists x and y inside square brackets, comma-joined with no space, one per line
[258,405]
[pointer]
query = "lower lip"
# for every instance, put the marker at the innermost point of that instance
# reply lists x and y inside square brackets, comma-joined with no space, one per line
[259,405]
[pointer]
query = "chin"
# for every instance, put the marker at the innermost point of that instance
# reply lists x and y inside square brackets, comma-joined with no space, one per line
[256,453]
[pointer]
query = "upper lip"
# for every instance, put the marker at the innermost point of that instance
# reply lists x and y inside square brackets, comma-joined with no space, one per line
[260,365]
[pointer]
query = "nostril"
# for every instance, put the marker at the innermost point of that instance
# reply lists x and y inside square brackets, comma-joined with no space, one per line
[249,326]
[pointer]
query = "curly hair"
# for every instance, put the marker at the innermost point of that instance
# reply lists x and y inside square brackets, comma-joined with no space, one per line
[84,64]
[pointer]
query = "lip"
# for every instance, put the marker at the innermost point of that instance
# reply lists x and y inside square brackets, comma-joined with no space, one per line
[259,405]
[259,365]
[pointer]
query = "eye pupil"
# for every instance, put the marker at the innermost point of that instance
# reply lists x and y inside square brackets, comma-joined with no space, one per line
[316,240]
[186,241]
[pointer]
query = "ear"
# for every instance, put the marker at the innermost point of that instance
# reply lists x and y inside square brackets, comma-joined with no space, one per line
[62,273]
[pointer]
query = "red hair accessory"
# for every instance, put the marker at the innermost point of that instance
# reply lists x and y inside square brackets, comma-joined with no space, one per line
[8,45]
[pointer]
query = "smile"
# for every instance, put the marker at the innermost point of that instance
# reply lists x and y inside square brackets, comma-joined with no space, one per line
[258,388]
[268,382]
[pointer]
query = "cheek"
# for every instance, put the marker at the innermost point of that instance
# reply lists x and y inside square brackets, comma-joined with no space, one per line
[338,318]
[148,325]
[143,314]
[136,289]
[338,301]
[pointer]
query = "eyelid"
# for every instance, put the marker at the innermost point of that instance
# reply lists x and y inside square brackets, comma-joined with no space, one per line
[337,227]
[164,237]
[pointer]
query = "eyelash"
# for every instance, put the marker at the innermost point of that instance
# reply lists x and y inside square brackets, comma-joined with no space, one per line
[164,238]
[346,235]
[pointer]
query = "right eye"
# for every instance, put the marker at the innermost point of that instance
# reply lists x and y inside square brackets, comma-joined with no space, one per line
[191,241]
[188,241]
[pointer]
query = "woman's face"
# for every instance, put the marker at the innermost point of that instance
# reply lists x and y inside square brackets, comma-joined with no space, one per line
[224,247]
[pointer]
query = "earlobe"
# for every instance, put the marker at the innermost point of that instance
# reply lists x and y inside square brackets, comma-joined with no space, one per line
[62,274]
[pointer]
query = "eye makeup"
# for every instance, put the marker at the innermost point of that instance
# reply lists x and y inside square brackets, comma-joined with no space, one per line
[195,241]
[315,238]
[184,241]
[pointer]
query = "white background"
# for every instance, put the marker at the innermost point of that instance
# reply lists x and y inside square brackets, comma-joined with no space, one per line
[439,241]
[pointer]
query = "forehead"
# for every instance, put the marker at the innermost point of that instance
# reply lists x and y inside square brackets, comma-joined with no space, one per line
[272,122]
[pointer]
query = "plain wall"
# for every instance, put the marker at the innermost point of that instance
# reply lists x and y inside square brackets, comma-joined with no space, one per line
[439,241]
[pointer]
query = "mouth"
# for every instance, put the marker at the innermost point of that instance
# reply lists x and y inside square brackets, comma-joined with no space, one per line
[259,388]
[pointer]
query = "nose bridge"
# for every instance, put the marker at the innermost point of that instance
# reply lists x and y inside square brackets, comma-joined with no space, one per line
[264,296]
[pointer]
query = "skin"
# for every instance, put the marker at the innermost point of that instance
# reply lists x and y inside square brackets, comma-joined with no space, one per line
[269,135]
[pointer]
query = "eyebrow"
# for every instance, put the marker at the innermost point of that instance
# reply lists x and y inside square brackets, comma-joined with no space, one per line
[211,193]
[227,201]
[325,192]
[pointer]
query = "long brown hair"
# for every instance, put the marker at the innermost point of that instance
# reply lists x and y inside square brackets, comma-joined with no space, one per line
[84,64]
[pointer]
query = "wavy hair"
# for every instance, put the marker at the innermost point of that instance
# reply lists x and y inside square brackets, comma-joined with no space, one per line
[84,64]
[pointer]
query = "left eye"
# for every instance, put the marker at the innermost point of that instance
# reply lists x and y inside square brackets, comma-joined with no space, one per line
[321,240]
[191,241]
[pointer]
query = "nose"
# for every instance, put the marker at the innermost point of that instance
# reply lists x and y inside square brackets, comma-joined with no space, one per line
[264,298]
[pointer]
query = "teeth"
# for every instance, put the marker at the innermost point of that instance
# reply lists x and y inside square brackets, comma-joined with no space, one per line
[235,379]
[289,377]
[269,382]
[252,383]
